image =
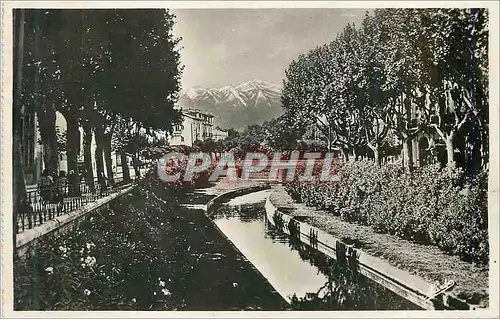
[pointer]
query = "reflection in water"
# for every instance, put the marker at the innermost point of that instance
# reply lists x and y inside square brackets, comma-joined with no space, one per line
[244,226]
[252,198]
[305,277]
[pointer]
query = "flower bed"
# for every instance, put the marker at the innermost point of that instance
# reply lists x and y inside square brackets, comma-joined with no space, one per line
[442,207]
[178,167]
[103,263]
[142,252]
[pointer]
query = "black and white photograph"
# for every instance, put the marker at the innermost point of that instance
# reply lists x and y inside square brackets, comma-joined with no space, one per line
[249,158]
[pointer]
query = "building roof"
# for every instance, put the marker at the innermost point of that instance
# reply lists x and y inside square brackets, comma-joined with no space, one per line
[194,111]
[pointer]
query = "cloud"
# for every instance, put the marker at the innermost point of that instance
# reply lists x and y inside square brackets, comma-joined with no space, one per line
[349,14]
[224,46]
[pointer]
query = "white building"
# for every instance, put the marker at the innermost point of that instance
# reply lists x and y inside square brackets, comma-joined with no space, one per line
[219,134]
[197,125]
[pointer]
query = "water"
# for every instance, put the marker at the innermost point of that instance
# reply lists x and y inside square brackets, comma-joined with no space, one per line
[304,277]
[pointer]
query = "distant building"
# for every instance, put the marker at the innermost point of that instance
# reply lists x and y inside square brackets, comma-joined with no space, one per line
[197,125]
[220,134]
[427,147]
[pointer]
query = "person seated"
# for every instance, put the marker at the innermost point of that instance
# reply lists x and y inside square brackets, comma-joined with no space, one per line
[62,185]
[45,185]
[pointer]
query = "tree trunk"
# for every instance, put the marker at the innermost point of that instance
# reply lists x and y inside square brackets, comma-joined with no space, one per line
[449,148]
[72,150]
[407,153]
[20,202]
[50,150]
[345,153]
[47,124]
[46,115]
[448,139]
[51,156]
[98,156]
[125,169]
[485,148]
[135,163]
[107,156]
[87,155]
[376,153]
[356,153]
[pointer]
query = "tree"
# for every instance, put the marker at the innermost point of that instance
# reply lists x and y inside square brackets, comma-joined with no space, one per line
[256,132]
[68,31]
[207,146]
[405,71]
[303,95]
[142,76]
[141,81]
[283,133]
[39,80]
[122,141]
[404,47]
[20,198]
[459,65]
[231,132]
[375,102]
[322,89]
[348,124]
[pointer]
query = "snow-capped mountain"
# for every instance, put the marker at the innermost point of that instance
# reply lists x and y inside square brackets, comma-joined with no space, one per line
[250,93]
[252,102]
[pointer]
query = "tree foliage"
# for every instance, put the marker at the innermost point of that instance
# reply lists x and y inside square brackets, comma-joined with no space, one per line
[98,68]
[401,72]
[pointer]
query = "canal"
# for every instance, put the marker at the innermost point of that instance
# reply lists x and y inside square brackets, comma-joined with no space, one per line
[307,279]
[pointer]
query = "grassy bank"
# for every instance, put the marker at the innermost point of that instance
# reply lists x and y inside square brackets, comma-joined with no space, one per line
[426,261]
[142,252]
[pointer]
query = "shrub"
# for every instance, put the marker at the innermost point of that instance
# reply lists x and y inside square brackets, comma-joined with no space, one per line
[115,259]
[179,166]
[442,207]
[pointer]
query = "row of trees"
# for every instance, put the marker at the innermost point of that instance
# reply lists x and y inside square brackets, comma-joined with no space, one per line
[276,134]
[403,71]
[114,73]
[253,138]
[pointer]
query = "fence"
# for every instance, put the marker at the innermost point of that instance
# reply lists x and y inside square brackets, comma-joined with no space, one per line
[46,203]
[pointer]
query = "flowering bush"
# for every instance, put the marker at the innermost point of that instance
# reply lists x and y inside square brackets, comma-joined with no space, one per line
[442,207]
[144,251]
[179,166]
[108,261]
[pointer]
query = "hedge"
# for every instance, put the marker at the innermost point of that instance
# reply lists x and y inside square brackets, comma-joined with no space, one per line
[430,205]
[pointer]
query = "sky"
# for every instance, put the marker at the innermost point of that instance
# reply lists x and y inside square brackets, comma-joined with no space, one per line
[231,46]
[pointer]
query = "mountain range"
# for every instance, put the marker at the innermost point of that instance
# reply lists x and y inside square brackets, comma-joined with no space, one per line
[252,102]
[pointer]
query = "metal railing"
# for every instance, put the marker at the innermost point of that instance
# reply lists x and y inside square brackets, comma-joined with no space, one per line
[46,203]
